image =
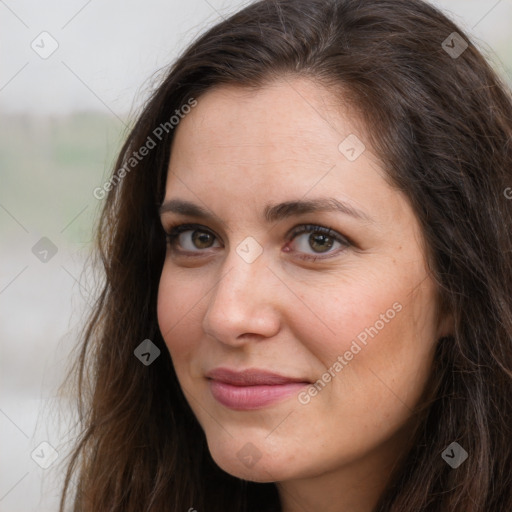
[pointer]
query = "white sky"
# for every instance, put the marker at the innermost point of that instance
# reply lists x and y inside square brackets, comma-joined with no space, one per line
[114,46]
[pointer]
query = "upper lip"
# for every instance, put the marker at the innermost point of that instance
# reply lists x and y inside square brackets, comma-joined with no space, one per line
[250,377]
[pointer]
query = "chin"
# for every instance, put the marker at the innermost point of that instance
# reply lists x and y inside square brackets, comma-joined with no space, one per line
[249,463]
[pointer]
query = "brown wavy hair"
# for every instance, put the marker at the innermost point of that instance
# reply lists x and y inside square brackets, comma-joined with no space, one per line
[442,127]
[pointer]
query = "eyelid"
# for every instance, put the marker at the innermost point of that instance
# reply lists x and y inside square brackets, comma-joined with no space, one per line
[179,227]
[318,228]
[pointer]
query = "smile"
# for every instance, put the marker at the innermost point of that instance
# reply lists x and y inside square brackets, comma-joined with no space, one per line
[252,397]
[251,388]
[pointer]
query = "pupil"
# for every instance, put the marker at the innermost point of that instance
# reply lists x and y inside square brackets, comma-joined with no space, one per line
[325,242]
[203,239]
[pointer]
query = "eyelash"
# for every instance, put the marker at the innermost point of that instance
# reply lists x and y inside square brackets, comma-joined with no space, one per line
[177,229]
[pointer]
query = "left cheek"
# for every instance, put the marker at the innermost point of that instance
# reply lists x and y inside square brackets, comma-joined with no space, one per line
[356,332]
[346,323]
[397,362]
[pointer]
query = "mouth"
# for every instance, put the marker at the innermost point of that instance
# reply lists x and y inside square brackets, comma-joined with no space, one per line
[251,388]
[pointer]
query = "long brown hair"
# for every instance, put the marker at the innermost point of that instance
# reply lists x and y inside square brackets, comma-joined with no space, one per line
[442,126]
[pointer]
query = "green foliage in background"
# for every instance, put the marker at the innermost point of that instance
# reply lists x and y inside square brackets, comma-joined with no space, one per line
[49,167]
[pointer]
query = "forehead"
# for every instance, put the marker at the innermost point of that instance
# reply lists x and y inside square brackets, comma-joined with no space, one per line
[279,142]
[286,119]
[289,129]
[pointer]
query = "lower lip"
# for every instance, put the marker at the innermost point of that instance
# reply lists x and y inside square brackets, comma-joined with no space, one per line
[252,397]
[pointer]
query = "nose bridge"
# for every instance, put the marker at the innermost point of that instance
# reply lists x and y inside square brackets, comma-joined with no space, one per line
[242,283]
[241,301]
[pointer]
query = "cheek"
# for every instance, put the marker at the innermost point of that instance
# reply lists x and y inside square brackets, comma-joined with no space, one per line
[370,341]
[178,302]
[329,319]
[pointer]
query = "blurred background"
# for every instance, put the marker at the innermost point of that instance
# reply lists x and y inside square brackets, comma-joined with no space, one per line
[72,76]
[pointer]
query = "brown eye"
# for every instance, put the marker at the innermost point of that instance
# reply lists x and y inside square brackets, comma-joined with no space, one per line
[202,239]
[179,238]
[319,241]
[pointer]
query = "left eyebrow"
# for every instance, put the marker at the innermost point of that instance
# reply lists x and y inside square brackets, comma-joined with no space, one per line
[273,212]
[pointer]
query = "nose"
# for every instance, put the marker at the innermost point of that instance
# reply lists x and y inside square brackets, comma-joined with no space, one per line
[244,303]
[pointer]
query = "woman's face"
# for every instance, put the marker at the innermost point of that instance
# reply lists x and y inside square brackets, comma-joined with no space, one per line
[349,316]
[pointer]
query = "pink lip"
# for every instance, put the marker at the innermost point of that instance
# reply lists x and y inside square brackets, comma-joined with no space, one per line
[251,388]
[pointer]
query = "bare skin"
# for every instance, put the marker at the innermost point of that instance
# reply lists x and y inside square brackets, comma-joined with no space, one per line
[236,152]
